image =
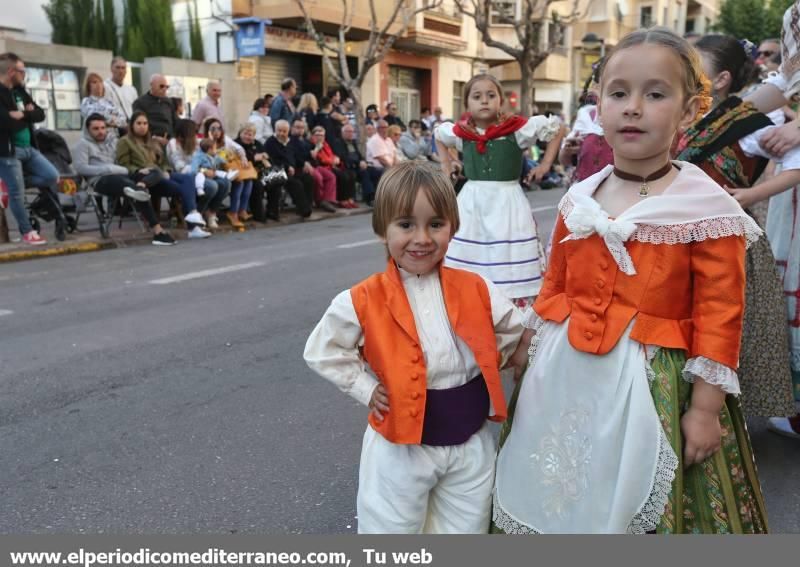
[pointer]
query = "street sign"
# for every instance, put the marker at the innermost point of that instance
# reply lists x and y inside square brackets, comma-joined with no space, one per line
[250,37]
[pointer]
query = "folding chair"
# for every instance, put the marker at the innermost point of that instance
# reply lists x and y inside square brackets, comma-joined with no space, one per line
[105,216]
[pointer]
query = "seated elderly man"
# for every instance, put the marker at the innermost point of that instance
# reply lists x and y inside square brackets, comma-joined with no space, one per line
[380,156]
[93,158]
[299,185]
[355,165]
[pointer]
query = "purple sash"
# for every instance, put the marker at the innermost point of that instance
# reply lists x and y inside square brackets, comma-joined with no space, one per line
[454,415]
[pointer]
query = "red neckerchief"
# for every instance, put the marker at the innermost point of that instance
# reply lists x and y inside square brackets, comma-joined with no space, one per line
[465,129]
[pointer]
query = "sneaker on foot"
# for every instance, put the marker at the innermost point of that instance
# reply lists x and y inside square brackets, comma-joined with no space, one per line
[132,193]
[198,232]
[786,426]
[33,238]
[195,218]
[213,223]
[327,206]
[163,239]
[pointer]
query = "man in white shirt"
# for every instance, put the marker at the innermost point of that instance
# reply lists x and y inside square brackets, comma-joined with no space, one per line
[117,92]
[380,155]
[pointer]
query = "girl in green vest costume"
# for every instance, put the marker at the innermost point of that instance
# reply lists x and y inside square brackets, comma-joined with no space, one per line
[498,238]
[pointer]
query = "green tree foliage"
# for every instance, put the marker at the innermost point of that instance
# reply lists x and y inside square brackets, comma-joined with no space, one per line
[147,29]
[748,19]
[86,23]
[196,48]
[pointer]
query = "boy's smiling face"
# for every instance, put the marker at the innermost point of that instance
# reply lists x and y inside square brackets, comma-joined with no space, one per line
[419,241]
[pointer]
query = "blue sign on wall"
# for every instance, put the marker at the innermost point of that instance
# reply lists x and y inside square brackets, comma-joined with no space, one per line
[250,37]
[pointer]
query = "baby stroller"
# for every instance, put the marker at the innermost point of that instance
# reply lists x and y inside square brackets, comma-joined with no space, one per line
[46,206]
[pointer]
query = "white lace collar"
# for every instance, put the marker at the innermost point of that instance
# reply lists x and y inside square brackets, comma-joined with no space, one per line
[692,209]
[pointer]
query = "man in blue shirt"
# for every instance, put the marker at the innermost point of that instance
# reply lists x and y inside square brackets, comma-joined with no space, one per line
[282,107]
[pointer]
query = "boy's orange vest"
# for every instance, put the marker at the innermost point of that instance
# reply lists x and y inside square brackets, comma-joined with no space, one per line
[393,351]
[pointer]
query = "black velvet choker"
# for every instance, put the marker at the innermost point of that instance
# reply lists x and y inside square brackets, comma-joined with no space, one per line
[644,190]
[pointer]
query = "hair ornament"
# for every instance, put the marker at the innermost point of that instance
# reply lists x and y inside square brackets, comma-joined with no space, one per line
[749,48]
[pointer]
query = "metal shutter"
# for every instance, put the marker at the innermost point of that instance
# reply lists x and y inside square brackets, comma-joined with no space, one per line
[274,68]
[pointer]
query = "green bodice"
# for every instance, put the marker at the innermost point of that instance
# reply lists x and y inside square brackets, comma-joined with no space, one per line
[501,162]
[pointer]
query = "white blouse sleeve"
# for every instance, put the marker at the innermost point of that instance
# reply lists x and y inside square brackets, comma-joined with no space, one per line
[751,147]
[229,143]
[789,86]
[444,134]
[332,350]
[507,321]
[712,373]
[537,128]
[583,122]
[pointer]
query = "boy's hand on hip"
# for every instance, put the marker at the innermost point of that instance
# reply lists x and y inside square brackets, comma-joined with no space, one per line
[379,403]
[702,435]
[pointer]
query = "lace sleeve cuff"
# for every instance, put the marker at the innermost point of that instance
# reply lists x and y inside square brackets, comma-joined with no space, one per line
[530,320]
[713,373]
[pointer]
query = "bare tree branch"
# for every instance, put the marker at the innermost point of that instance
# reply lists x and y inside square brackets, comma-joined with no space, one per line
[320,40]
[533,19]
[378,43]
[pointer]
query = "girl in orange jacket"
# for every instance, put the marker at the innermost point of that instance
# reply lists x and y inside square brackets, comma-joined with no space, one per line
[626,420]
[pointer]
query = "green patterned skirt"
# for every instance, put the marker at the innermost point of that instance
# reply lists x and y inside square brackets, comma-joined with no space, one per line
[722,495]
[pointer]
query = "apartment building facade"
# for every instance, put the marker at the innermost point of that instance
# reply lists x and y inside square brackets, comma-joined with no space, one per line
[430,64]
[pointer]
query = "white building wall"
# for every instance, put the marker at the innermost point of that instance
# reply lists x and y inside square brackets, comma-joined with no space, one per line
[450,71]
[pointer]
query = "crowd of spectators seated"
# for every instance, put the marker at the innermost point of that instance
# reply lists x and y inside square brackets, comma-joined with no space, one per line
[294,152]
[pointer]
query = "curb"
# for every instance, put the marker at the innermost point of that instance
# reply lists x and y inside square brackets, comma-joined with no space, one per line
[18,255]
[138,239]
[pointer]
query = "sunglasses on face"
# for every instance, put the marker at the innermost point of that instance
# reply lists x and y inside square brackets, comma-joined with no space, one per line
[766,53]
[215,129]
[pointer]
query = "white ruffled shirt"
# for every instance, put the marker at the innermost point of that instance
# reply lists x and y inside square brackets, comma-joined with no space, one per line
[332,348]
[788,78]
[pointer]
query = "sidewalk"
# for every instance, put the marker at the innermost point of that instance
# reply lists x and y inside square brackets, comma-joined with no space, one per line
[87,238]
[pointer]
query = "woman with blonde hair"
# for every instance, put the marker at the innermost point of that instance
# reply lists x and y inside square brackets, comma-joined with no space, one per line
[307,110]
[94,103]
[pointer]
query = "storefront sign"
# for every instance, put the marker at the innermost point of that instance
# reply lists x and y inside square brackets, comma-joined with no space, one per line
[250,37]
[280,39]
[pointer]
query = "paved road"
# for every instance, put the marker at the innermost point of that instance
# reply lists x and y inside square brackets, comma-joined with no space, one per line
[150,390]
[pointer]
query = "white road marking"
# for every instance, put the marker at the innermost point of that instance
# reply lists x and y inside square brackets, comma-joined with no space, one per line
[5,312]
[360,243]
[206,273]
[540,209]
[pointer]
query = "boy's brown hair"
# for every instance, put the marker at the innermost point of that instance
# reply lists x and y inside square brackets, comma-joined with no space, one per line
[398,188]
[206,144]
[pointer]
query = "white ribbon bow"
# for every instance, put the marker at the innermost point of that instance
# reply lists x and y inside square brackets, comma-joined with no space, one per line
[587,217]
